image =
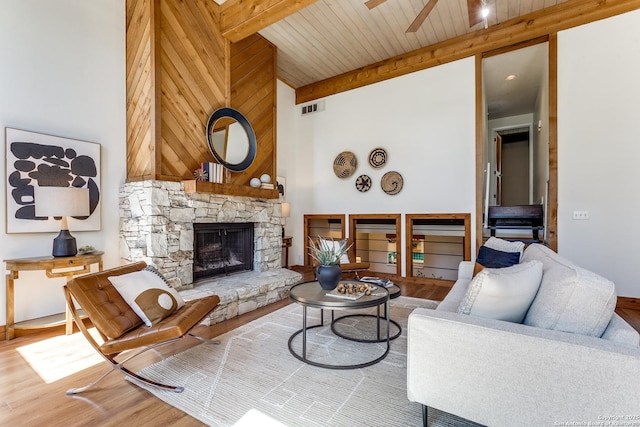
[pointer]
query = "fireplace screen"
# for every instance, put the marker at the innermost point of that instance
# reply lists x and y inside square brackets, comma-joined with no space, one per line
[220,249]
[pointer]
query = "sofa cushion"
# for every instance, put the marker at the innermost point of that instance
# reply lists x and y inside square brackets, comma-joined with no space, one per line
[570,298]
[504,245]
[503,293]
[621,332]
[148,294]
[455,296]
[493,258]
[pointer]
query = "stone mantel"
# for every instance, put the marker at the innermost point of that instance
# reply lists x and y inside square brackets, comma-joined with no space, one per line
[156,226]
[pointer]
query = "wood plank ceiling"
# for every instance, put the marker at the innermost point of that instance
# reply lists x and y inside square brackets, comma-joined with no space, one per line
[332,37]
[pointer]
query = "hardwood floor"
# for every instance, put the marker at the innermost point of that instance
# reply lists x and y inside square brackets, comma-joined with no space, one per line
[38,368]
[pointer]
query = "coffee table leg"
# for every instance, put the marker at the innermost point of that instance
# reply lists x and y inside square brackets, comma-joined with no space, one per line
[378,321]
[386,311]
[304,332]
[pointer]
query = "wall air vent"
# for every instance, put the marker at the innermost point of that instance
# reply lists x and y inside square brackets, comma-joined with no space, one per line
[312,108]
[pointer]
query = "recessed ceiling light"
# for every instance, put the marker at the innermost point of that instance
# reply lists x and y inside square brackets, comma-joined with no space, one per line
[510,77]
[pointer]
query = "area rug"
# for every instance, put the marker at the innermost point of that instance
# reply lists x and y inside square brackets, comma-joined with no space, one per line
[253,368]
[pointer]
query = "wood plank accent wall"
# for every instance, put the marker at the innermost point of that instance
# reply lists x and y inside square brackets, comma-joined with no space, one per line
[140,83]
[253,93]
[179,70]
[193,81]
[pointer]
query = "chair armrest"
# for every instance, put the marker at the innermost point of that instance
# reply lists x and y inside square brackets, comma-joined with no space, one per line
[465,270]
[501,373]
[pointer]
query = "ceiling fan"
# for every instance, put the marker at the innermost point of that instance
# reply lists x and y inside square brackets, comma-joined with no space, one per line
[474,8]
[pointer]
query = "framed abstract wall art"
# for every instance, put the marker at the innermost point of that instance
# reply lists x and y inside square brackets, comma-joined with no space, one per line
[39,160]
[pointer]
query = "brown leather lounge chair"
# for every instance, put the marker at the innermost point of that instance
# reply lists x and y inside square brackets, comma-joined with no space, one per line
[120,328]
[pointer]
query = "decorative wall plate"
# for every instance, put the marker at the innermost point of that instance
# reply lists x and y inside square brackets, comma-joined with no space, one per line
[363,183]
[377,157]
[391,182]
[345,164]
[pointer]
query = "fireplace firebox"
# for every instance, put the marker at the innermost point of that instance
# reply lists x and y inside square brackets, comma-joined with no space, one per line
[222,248]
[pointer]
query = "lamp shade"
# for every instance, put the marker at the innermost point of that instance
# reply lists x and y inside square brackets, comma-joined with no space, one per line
[286,210]
[61,201]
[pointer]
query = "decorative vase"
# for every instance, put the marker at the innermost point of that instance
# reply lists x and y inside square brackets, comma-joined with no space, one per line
[328,276]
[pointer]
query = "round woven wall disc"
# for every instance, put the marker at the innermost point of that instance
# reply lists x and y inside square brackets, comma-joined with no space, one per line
[363,183]
[377,157]
[345,164]
[391,182]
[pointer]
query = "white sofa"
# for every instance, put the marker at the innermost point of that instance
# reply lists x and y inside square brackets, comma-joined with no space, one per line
[499,373]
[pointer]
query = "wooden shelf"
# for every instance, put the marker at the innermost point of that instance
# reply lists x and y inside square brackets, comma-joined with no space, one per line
[193,186]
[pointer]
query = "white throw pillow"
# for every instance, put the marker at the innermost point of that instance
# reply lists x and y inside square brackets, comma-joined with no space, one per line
[148,295]
[570,299]
[503,293]
[505,245]
[335,244]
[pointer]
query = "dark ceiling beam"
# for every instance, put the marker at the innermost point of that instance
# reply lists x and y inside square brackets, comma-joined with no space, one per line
[537,24]
[242,18]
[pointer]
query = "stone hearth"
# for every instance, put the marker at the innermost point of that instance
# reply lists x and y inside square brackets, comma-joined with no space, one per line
[243,292]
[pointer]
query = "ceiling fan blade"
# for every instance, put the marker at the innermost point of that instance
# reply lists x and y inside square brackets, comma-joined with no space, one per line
[373,3]
[474,8]
[421,16]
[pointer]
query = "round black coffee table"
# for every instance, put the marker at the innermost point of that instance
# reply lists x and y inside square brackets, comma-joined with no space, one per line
[394,292]
[310,294]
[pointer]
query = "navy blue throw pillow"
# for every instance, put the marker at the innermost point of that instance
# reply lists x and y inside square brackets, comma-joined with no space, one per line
[492,258]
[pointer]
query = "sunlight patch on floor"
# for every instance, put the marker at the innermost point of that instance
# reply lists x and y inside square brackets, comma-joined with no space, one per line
[58,357]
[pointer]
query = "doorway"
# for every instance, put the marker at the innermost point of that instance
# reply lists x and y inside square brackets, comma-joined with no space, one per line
[516,95]
[513,167]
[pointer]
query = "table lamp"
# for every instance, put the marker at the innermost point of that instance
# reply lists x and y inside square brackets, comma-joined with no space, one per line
[62,202]
[286,213]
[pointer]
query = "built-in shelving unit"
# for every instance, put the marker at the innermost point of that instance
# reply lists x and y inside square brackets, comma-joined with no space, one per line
[437,243]
[375,241]
[325,226]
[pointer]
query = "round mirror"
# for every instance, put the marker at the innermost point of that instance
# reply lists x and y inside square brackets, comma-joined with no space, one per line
[231,139]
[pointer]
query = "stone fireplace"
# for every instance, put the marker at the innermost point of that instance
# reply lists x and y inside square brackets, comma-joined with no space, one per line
[157,226]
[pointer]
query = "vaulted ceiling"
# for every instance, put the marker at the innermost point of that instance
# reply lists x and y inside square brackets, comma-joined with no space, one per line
[329,46]
[331,37]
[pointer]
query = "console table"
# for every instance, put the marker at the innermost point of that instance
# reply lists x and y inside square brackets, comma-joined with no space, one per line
[286,244]
[53,267]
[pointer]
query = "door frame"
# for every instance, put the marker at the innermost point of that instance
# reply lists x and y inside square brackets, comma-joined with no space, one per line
[551,213]
[498,148]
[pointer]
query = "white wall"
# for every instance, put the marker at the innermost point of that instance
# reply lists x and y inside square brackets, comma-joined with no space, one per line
[599,148]
[286,159]
[426,123]
[63,73]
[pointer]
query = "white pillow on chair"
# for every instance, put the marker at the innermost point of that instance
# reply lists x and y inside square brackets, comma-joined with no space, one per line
[148,295]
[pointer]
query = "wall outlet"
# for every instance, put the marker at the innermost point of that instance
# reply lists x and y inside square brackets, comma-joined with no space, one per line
[580,214]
